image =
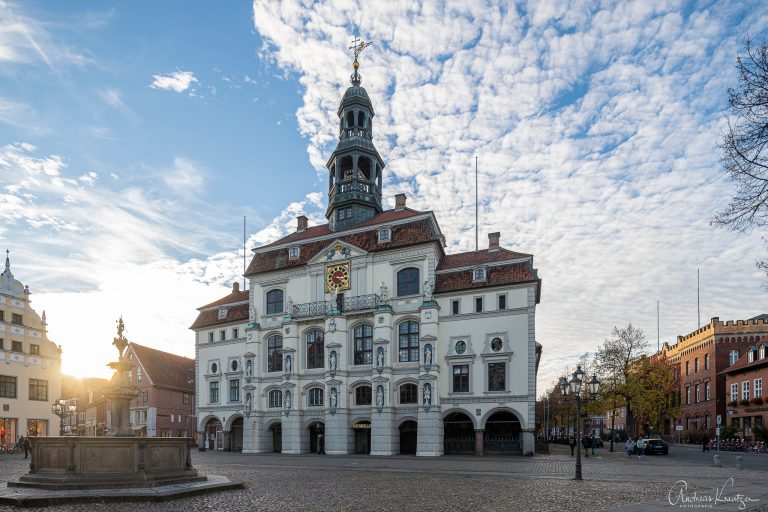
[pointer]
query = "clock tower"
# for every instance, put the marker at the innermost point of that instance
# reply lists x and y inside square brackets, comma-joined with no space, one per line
[354,168]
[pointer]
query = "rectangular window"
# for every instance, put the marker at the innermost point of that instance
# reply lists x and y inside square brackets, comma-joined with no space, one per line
[38,389]
[497,376]
[687,367]
[461,378]
[17,319]
[234,333]
[706,361]
[707,394]
[687,394]
[2,344]
[16,346]
[733,357]
[478,304]
[186,398]
[363,395]
[502,302]
[455,307]
[2,316]
[758,392]
[214,392]
[315,398]
[698,396]
[34,350]
[696,365]
[234,390]
[734,392]
[275,398]
[7,386]
[210,337]
[222,335]
[745,390]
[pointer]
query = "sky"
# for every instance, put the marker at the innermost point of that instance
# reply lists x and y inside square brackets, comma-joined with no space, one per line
[135,136]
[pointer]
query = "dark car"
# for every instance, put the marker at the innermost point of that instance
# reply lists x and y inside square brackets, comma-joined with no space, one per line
[656,446]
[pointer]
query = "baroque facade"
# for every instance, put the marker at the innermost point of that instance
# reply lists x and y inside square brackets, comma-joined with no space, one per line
[30,365]
[363,336]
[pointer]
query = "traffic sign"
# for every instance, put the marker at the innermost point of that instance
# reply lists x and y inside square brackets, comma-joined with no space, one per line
[717,432]
[679,428]
[719,419]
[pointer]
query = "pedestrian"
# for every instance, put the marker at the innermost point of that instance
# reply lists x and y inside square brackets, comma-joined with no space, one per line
[640,448]
[630,445]
[586,444]
[572,444]
[19,444]
[320,444]
[593,443]
[26,447]
[705,443]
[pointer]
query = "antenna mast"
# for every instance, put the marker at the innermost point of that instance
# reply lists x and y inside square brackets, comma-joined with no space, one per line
[698,300]
[476,222]
[658,328]
[243,252]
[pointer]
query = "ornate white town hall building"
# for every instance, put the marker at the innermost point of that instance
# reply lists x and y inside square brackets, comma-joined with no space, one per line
[363,336]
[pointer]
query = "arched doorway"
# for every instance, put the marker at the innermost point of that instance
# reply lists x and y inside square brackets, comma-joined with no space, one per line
[458,434]
[213,434]
[408,431]
[362,431]
[502,434]
[277,437]
[236,436]
[317,437]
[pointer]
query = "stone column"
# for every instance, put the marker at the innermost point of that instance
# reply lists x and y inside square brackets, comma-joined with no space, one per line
[479,438]
[429,437]
[292,430]
[337,429]
[529,444]
[382,431]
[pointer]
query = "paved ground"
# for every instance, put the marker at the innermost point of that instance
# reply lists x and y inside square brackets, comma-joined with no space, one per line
[542,483]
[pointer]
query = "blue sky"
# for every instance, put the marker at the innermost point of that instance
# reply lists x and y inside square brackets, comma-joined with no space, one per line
[135,135]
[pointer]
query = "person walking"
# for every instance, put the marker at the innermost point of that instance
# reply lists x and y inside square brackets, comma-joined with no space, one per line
[26,447]
[19,444]
[572,444]
[593,443]
[640,448]
[630,445]
[705,444]
[586,444]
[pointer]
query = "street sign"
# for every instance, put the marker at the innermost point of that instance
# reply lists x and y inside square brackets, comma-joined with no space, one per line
[719,419]
[731,411]
[717,432]
[679,428]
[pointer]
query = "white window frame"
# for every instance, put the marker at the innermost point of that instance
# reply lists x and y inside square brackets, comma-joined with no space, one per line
[697,395]
[479,274]
[222,313]
[758,388]
[294,252]
[733,356]
[385,235]
[687,395]
[707,391]
[734,391]
[745,390]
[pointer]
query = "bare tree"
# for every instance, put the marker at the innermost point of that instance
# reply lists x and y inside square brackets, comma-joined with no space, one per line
[744,143]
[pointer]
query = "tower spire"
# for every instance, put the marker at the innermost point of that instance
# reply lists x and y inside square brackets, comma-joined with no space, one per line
[357,47]
[7,260]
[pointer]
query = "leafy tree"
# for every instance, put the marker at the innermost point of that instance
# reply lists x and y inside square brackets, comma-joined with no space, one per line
[744,144]
[653,383]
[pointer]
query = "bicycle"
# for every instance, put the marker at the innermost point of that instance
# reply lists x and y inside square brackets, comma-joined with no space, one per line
[11,448]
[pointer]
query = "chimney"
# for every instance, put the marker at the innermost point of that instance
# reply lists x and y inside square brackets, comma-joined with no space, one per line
[235,287]
[302,223]
[493,241]
[399,201]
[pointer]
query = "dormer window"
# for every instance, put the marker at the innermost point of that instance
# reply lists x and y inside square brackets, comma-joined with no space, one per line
[478,274]
[293,253]
[222,313]
[750,356]
[385,235]
[761,354]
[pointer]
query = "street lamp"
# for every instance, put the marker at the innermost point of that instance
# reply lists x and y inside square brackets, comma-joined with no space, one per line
[574,388]
[59,408]
[72,409]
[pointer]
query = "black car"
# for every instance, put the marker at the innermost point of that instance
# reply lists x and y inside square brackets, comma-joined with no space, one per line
[656,446]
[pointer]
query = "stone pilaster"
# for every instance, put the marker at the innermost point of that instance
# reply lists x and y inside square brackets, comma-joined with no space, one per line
[337,432]
[529,443]
[429,438]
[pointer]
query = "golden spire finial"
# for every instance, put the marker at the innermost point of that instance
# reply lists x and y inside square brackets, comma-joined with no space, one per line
[358,45]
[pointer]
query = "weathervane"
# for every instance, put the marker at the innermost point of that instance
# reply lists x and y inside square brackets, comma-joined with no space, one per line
[357,47]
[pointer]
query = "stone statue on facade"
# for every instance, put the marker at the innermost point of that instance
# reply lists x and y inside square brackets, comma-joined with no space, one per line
[332,360]
[383,293]
[428,355]
[380,396]
[290,305]
[288,364]
[427,394]
[248,369]
[427,290]
[380,358]
[334,397]
[287,401]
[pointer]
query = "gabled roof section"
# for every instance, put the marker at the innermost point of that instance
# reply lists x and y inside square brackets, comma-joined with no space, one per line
[474,258]
[404,233]
[497,275]
[210,317]
[166,370]
[743,364]
[233,298]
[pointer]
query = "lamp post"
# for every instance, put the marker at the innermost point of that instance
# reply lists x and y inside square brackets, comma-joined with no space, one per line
[574,388]
[59,408]
[72,409]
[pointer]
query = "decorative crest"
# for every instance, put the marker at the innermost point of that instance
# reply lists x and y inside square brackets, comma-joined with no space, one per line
[357,47]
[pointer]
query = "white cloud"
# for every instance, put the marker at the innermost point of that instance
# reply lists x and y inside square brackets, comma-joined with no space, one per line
[178,81]
[596,129]
[114,99]
[184,178]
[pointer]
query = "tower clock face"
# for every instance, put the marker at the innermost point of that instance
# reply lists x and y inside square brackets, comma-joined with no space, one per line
[337,277]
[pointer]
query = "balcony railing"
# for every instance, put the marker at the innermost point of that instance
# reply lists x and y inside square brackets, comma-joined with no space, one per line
[344,305]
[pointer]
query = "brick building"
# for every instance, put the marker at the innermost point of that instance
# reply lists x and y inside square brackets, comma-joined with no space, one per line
[745,403]
[699,359]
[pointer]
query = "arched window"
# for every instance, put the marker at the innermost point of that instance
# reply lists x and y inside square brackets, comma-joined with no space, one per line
[350,119]
[361,119]
[409,394]
[315,397]
[274,302]
[315,349]
[408,282]
[408,341]
[275,398]
[363,395]
[275,353]
[363,344]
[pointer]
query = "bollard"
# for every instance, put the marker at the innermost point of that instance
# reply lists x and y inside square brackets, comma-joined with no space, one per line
[717,461]
[739,462]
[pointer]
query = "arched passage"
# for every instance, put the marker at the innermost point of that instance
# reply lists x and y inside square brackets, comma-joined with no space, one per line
[213,434]
[458,434]
[502,434]
[316,432]
[276,430]
[362,432]
[236,435]
[408,435]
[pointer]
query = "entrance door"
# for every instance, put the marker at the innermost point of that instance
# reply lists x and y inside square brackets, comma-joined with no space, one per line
[277,438]
[237,435]
[363,437]
[213,434]
[408,435]
[502,434]
[458,434]
[316,438]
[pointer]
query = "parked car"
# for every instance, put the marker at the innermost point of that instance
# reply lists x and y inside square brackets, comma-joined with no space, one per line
[656,446]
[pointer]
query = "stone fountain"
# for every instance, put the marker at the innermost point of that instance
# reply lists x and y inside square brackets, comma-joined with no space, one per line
[117,467]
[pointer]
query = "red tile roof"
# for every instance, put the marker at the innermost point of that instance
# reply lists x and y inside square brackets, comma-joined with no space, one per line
[515,273]
[166,370]
[403,235]
[471,258]
[235,296]
[210,317]
[741,363]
